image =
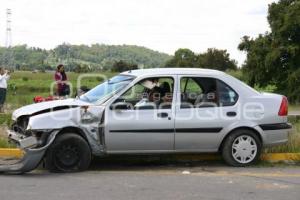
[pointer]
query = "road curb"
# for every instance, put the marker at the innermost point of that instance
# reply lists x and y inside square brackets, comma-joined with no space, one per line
[276,157]
[271,157]
[8,152]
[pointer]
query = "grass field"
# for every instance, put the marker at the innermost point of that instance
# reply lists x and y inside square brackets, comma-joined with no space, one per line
[23,86]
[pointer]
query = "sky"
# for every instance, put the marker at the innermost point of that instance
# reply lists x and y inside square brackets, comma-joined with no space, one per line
[162,25]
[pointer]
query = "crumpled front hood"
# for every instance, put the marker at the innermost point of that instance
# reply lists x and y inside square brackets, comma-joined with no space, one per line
[39,107]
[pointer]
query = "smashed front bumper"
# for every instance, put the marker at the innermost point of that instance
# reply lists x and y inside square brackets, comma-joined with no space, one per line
[33,152]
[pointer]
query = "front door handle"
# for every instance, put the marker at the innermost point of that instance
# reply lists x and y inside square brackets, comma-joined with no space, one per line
[231,114]
[162,115]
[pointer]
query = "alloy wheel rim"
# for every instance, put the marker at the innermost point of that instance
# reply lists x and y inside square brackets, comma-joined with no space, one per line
[67,157]
[244,149]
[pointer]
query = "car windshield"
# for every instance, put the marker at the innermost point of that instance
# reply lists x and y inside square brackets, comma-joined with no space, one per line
[107,88]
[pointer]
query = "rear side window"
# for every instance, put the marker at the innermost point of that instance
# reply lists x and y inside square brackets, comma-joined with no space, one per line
[227,96]
[190,86]
[205,92]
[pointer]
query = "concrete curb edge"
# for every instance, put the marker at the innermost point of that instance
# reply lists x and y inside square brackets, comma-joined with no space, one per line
[9,152]
[272,157]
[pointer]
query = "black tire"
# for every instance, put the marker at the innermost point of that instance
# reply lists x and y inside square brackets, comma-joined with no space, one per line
[68,153]
[228,150]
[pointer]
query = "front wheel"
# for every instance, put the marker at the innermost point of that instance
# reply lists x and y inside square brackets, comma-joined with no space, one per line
[241,148]
[68,153]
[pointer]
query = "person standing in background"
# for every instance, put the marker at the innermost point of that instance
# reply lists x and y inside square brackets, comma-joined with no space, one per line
[60,77]
[4,76]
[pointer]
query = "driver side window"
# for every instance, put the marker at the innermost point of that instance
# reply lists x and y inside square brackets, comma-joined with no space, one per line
[149,93]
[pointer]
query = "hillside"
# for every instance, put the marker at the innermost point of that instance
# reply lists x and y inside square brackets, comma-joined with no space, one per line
[96,56]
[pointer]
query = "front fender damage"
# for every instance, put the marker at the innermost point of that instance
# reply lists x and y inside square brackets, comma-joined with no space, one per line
[32,156]
[87,120]
[39,131]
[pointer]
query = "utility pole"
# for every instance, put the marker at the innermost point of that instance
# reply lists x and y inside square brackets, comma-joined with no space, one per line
[8,41]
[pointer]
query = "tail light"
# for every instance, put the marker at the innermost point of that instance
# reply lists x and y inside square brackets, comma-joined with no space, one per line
[283,110]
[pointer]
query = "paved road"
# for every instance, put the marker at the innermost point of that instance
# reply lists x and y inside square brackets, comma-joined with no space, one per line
[156,181]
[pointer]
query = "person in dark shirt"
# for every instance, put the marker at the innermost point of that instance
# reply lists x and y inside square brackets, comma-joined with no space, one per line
[61,79]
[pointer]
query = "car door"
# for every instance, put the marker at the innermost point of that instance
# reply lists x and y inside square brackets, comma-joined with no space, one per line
[206,106]
[142,128]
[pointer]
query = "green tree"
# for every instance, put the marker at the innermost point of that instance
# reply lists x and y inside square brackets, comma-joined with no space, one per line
[274,58]
[183,58]
[216,59]
[121,66]
[212,58]
[255,69]
[81,68]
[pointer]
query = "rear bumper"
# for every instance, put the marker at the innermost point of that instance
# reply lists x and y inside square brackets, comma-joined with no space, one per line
[275,134]
[278,126]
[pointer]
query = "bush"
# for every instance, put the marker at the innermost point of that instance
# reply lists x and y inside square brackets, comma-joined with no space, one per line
[99,79]
[25,78]
[268,88]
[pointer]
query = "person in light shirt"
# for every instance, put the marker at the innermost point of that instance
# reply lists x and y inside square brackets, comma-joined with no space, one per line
[4,76]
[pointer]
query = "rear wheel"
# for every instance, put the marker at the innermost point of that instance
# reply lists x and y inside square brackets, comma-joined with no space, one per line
[241,148]
[68,153]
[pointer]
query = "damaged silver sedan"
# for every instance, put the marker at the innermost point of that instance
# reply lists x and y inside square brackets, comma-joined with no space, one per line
[151,111]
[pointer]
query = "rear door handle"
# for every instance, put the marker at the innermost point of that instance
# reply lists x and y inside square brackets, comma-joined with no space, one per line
[231,114]
[162,115]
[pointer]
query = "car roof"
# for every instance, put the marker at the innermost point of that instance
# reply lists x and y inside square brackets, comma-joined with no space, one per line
[173,71]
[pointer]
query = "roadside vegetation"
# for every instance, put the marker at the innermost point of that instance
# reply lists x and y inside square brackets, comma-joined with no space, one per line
[5,144]
[5,121]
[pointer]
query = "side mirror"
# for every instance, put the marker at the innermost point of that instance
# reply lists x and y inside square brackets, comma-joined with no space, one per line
[120,106]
